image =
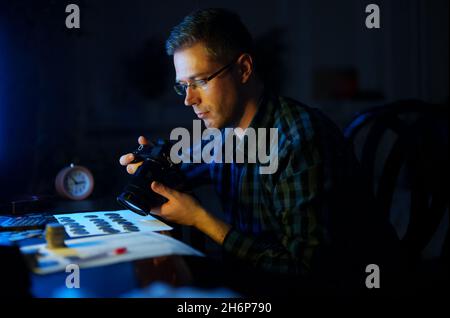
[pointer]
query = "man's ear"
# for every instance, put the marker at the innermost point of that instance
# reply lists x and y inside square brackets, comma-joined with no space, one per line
[245,67]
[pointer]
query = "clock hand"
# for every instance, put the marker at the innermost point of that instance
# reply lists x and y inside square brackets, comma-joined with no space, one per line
[73,179]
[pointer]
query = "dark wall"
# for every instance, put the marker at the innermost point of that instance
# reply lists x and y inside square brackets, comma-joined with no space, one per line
[85,95]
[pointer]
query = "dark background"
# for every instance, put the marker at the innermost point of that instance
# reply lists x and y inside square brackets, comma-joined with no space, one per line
[84,96]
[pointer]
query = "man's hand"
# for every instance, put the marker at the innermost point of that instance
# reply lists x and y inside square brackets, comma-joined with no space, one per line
[184,209]
[181,208]
[129,157]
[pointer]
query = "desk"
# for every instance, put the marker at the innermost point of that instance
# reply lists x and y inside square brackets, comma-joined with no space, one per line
[115,280]
[121,278]
[111,280]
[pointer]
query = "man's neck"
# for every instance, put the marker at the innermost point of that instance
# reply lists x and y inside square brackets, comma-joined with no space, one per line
[251,107]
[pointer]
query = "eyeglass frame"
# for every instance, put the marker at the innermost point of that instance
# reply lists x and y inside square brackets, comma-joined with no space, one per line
[195,83]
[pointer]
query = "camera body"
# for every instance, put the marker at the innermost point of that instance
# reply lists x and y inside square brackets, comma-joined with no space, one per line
[137,195]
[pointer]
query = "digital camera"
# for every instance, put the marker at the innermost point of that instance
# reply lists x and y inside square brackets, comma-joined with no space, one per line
[137,195]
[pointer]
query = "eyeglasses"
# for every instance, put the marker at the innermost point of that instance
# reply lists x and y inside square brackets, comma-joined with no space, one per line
[180,88]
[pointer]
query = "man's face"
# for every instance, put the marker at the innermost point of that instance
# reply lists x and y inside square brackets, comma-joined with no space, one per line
[217,104]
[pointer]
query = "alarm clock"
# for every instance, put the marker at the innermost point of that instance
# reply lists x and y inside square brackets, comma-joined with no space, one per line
[74,182]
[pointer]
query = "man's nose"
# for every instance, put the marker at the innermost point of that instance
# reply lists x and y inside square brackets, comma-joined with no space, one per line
[192,97]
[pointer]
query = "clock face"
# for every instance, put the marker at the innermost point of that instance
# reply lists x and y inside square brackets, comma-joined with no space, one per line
[77,183]
[74,182]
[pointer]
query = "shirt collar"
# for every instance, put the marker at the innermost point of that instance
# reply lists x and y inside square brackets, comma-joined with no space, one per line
[264,114]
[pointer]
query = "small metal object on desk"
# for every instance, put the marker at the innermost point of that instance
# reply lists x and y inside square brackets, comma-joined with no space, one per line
[54,235]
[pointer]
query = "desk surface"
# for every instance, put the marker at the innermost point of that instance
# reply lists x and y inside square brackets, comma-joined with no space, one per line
[203,273]
[115,280]
[111,280]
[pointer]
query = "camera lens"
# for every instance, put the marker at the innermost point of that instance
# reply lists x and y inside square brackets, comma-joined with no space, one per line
[128,200]
[137,195]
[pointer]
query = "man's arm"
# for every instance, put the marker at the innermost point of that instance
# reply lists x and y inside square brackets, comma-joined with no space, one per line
[294,203]
[213,227]
[184,209]
[293,200]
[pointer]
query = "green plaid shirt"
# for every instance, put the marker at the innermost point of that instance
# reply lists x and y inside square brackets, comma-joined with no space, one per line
[279,220]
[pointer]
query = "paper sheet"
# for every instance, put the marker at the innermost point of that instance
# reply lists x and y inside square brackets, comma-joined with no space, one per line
[108,222]
[95,251]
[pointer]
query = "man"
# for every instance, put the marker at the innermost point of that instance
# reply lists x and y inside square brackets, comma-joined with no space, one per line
[302,224]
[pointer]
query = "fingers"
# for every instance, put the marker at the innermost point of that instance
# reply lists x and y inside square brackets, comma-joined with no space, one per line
[163,190]
[126,159]
[142,140]
[131,169]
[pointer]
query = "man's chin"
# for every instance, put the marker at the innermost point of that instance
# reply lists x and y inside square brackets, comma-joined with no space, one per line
[210,123]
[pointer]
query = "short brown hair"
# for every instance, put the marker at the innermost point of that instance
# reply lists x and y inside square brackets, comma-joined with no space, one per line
[222,32]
